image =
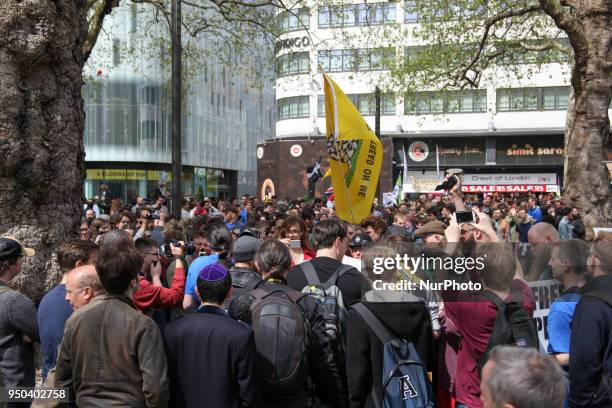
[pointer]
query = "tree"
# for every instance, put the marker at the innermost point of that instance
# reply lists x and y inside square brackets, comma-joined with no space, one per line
[471,40]
[44,45]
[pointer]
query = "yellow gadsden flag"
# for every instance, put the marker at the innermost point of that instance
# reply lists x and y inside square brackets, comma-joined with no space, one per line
[355,155]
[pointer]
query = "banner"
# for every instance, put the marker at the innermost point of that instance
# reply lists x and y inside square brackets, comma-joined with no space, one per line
[355,155]
[545,292]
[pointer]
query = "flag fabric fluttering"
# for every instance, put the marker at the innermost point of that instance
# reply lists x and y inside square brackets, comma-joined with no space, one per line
[355,155]
[397,191]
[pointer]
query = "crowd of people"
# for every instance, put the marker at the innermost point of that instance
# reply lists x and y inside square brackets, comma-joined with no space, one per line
[253,303]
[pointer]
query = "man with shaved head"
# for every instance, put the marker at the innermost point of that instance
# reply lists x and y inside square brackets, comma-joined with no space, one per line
[541,238]
[82,286]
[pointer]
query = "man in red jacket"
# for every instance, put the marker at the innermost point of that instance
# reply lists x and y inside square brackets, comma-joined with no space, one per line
[152,294]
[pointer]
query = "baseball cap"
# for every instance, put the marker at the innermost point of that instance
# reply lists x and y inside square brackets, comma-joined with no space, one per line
[360,240]
[433,227]
[245,247]
[9,247]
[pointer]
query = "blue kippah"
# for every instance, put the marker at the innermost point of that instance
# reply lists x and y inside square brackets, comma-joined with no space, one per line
[213,272]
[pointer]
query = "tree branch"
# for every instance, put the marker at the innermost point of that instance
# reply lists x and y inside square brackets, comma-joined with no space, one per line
[567,22]
[101,10]
[491,21]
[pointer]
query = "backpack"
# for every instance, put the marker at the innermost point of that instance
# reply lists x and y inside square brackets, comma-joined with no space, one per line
[281,338]
[405,381]
[605,297]
[328,295]
[512,326]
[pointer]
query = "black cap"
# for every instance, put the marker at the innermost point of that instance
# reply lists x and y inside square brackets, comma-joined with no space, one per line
[360,240]
[10,248]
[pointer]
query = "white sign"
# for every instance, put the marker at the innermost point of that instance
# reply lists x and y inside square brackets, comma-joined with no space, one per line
[419,182]
[508,179]
[260,152]
[418,151]
[509,188]
[296,150]
[545,292]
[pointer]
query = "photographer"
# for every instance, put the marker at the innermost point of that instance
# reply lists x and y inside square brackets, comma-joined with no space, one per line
[220,240]
[151,294]
[144,224]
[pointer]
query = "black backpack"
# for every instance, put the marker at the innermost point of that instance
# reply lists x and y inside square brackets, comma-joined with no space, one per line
[513,325]
[281,338]
[329,296]
[605,297]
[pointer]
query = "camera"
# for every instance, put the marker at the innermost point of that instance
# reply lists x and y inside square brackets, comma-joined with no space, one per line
[152,216]
[189,248]
[449,183]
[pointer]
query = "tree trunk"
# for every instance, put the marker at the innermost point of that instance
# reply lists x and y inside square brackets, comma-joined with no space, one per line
[42,164]
[588,125]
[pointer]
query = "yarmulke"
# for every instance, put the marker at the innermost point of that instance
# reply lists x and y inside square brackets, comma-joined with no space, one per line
[213,273]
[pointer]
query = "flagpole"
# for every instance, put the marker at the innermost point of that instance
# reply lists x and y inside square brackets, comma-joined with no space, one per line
[377,125]
[437,164]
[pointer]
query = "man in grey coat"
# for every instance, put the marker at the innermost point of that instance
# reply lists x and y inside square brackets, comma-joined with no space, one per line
[18,327]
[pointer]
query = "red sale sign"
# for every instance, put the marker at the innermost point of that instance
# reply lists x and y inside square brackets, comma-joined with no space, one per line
[523,188]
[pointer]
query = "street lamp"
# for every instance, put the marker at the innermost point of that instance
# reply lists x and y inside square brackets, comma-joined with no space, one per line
[176,108]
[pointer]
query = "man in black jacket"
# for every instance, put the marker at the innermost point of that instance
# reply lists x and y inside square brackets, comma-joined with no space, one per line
[244,275]
[591,341]
[404,314]
[273,261]
[331,242]
[211,357]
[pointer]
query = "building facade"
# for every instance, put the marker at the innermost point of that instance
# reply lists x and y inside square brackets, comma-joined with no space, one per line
[128,118]
[506,136]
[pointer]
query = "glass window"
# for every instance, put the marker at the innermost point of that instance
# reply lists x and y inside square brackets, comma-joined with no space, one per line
[361,14]
[321,106]
[531,99]
[467,101]
[437,103]
[336,61]
[325,60]
[348,60]
[503,100]
[453,102]
[324,17]
[348,14]
[388,104]
[411,15]
[555,98]
[389,12]
[294,63]
[293,108]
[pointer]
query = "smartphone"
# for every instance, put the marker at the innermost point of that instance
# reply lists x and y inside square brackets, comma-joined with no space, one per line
[295,243]
[464,217]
